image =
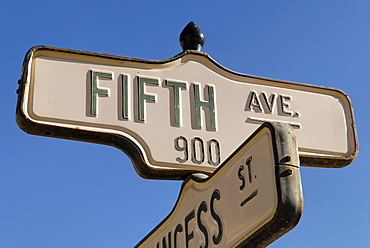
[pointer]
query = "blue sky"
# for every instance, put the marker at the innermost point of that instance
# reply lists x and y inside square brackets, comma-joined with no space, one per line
[62,193]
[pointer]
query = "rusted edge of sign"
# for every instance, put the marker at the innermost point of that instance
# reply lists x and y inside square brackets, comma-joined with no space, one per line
[124,144]
[288,212]
[288,184]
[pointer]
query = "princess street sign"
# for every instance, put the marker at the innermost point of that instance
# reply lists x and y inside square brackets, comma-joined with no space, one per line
[252,199]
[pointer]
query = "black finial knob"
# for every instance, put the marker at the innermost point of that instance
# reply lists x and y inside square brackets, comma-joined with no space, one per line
[192,37]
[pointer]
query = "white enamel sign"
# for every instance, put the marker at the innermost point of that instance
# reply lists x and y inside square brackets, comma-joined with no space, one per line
[250,201]
[179,115]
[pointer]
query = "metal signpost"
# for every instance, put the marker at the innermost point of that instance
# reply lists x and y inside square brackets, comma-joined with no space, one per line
[252,199]
[176,116]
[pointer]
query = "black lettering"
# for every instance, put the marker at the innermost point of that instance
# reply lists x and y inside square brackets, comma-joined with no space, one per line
[164,244]
[178,229]
[241,177]
[248,163]
[189,236]
[284,105]
[216,196]
[194,150]
[269,104]
[203,229]
[254,102]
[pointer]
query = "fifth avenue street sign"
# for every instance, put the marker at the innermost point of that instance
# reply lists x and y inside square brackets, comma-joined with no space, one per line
[176,116]
[252,199]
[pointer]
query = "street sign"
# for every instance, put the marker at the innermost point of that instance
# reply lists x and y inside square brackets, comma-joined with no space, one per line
[176,116]
[252,199]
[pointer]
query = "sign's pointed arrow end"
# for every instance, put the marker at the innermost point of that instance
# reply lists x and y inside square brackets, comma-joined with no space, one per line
[192,37]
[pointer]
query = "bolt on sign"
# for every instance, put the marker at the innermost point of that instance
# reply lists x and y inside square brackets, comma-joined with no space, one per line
[176,116]
[252,199]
